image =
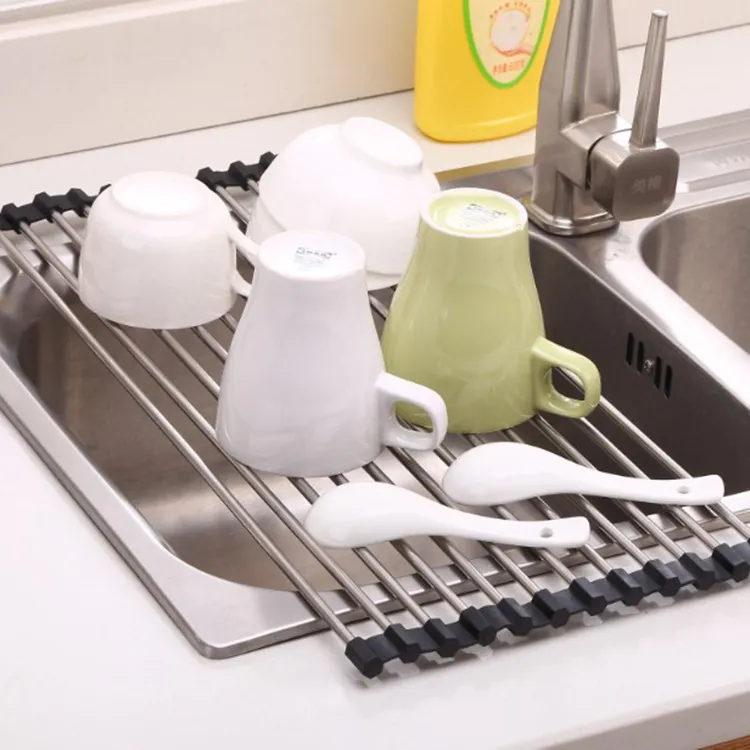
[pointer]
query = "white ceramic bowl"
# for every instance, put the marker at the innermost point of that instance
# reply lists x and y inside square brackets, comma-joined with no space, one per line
[159,252]
[362,178]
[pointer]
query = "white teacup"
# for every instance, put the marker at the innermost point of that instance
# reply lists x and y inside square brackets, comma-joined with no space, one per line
[159,252]
[304,391]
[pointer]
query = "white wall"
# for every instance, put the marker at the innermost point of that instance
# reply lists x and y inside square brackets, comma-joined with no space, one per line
[149,68]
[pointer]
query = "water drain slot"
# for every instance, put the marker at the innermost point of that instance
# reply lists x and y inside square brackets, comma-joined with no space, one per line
[658,367]
[630,349]
[638,357]
[668,382]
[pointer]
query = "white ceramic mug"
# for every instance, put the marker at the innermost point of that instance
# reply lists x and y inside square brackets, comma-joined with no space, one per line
[159,252]
[304,391]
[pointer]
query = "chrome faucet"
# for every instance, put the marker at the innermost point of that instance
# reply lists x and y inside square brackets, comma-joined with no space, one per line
[593,169]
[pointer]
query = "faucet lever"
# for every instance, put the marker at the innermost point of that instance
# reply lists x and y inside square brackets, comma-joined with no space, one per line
[646,118]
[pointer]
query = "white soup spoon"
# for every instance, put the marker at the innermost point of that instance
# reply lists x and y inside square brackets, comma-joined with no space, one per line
[498,473]
[364,513]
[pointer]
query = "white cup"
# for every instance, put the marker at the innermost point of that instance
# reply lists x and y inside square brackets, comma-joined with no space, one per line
[159,252]
[304,391]
[362,178]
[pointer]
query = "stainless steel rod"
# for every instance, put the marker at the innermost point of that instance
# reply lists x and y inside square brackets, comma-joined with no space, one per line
[543,507]
[345,581]
[554,563]
[662,457]
[386,578]
[679,514]
[230,322]
[543,554]
[308,592]
[609,528]
[202,333]
[304,487]
[367,557]
[403,548]
[423,569]
[235,206]
[190,362]
[640,518]
[496,552]
[636,514]
[409,554]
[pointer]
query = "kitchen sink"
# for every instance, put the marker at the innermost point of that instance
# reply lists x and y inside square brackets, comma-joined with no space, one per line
[658,305]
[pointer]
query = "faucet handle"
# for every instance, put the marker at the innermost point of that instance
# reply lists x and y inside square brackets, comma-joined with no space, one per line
[646,119]
[631,173]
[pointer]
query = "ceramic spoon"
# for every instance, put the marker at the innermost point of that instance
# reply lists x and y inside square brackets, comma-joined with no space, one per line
[360,514]
[498,473]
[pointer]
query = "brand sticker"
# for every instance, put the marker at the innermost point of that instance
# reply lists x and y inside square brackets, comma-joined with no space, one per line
[310,257]
[476,216]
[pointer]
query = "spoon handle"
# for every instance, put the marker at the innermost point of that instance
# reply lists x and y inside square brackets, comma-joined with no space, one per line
[694,491]
[372,523]
[561,533]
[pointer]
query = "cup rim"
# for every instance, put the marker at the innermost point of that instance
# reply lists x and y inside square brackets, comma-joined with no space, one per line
[425,216]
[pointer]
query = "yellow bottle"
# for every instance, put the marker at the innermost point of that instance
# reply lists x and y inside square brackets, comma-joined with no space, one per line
[479,64]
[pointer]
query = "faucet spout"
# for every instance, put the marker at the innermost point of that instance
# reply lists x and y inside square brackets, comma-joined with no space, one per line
[583,77]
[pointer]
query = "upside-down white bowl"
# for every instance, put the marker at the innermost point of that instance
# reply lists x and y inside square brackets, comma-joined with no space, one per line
[362,178]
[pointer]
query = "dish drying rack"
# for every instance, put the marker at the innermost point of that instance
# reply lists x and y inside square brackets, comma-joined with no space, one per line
[667,552]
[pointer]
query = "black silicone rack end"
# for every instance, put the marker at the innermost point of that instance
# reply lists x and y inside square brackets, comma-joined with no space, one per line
[549,609]
[45,206]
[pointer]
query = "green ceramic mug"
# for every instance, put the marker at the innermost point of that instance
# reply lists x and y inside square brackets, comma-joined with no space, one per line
[466,319]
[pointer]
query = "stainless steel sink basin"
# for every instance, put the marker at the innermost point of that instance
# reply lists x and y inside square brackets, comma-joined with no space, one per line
[703,254]
[658,305]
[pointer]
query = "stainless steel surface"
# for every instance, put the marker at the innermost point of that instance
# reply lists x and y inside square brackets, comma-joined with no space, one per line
[703,255]
[124,418]
[593,169]
[648,100]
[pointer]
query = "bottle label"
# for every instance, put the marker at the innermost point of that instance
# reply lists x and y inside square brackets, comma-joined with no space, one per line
[504,36]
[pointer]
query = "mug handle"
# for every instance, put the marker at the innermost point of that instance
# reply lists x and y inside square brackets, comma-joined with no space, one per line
[546,355]
[390,390]
[249,251]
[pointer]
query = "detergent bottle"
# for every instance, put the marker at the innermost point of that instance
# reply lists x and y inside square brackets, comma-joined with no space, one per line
[478,66]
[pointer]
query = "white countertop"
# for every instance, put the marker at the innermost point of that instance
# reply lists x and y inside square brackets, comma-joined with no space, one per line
[90,660]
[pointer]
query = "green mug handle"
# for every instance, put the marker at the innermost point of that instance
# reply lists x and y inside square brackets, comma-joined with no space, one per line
[546,355]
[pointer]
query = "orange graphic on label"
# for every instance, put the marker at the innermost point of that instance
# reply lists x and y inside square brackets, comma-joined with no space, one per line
[504,35]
